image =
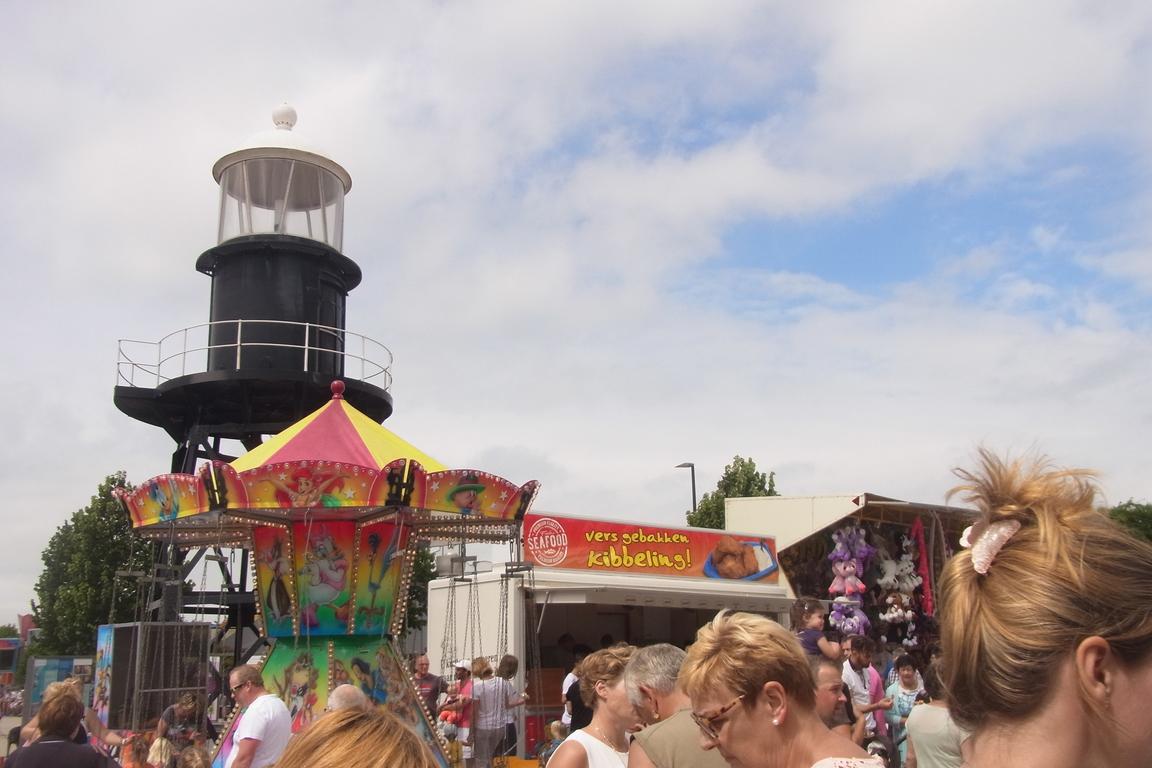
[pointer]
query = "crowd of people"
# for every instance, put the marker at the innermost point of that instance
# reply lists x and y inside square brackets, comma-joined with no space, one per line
[1045,659]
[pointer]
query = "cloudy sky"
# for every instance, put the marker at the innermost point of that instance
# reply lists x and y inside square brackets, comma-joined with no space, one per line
[851,241]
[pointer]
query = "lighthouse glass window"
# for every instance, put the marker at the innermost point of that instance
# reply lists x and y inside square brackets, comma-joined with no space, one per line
[281,196]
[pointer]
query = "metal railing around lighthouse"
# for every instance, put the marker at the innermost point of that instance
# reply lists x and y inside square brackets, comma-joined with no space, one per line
[243,345]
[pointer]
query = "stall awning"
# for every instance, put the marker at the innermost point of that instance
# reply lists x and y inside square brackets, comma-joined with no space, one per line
[556,587]
[791,519]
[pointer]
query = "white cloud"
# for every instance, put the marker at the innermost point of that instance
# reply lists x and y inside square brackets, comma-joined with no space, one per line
[977,263]
[1134,265]
[540,203]
[1046,238]
[910,90]
[1011,291]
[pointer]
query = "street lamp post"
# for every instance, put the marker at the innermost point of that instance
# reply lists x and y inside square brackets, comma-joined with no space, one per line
[691,466]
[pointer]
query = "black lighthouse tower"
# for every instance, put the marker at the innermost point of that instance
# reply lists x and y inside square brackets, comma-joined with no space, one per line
[274,341]
[276,334]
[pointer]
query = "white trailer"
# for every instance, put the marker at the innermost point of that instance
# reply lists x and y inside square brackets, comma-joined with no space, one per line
[602,592]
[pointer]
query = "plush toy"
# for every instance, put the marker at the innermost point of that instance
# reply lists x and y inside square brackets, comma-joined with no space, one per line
[847,617]
[888,567]
[898,609]
[899,617]
[907,578]
[845,581]
[849,558]
[840,551]
[856,542]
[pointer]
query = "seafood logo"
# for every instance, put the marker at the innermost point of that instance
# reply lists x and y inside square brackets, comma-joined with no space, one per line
[547,543]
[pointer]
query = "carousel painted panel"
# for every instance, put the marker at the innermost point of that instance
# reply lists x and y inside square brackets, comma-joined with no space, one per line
[379,671]
[275,578]
[379,563]
[322,553]
[102,687]
[298,674]
[164,499]
[309,485]
[469,492]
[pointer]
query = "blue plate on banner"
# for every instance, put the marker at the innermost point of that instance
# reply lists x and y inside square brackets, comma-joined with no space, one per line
[763,555]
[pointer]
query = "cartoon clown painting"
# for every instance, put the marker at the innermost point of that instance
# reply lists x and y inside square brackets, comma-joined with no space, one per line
[466,495]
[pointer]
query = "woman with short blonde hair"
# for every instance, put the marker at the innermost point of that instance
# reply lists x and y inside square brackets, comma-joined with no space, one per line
[753,698]
[1046,622]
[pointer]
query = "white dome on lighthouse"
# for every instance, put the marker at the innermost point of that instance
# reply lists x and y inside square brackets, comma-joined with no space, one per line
[277,182]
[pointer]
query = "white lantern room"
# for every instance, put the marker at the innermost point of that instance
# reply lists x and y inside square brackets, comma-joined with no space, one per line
[279,185]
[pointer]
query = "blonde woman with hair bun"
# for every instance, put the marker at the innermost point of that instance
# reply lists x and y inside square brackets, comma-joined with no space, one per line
[1046,623]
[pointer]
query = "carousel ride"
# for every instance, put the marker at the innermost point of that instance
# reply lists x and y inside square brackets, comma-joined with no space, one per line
[333,509]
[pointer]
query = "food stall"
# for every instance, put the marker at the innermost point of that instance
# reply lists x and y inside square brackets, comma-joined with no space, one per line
[583,581]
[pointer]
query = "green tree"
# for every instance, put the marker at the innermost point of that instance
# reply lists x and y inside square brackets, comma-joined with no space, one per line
[1135,516]
[9,630]
[740,479]
[423,571]
[78,588]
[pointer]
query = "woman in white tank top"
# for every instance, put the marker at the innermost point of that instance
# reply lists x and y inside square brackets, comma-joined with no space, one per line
[604,743]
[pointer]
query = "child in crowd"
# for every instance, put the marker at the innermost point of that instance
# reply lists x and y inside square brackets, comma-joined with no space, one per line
[194,757]
[455,753]
[808,624]
[135,749]
[559,732]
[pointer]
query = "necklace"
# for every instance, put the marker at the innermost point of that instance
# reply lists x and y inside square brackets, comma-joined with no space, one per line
[608,741]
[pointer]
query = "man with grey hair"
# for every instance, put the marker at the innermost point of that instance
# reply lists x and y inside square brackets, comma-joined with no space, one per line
[347,697]
[671,739]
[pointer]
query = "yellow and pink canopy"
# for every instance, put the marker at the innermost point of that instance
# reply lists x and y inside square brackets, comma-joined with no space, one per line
[336,460]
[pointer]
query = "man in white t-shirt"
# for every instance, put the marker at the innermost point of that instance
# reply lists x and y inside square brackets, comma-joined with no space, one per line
[861,679]
[265,725]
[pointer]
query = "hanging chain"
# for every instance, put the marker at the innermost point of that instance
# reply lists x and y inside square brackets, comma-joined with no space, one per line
[532,648]
[448,642]
[502,618]
[472,619]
